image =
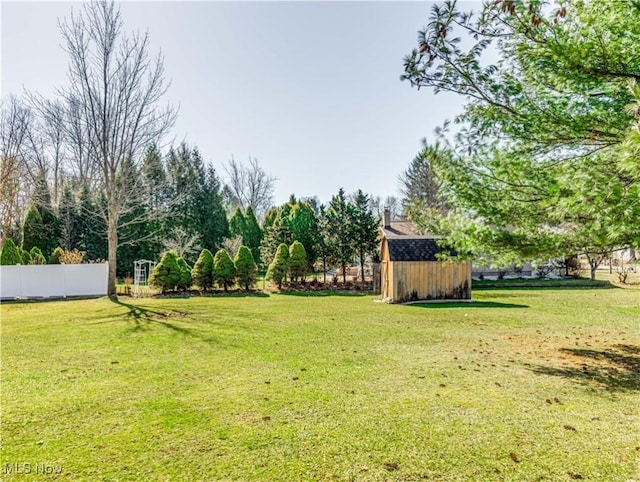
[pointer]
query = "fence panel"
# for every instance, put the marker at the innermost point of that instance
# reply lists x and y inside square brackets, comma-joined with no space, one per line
[53,280]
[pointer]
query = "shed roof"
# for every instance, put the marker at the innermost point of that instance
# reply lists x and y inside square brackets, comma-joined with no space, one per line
[415,249]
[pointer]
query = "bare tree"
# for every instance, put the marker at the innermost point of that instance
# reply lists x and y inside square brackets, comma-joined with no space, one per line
[249,185]
[113,98]
[15,119]
[182,242]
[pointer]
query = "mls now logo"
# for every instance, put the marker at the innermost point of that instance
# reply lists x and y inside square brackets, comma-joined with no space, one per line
[28,468]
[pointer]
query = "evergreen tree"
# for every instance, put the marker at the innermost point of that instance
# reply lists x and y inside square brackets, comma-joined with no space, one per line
[278,268]
[25,256]
[237,224]
[33,231]
[252,236]
[37,256]
[364,228]
[323,240]
[224,271]
[167,273]
[68,219]
[297,261]
[303,224]
[92,231]
[55,256]
[246,268]
[10,253]
[277,234]
[185,275]
[48,238]
[340,230]
[270,218]
[202,272]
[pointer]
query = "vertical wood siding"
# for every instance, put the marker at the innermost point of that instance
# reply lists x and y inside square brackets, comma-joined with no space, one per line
[427,280]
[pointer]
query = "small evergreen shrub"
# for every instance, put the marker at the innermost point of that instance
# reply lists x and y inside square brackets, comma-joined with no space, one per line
[167,273]
[224,271]
[202,273]
[36,256]
[185,275]
[297,261]
[277,271]
[246,268]
[55,256]
[26,257]
[10,253]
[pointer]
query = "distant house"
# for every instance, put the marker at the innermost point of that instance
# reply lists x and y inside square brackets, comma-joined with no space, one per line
[410,269]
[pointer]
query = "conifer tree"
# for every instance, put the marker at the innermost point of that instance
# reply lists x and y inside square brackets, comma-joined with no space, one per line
[297,261]
[55,256]
[202,272]
[224,271]
[246,268]
[278,268]
[185,275]
[167,273]
[10,253]
[33,231]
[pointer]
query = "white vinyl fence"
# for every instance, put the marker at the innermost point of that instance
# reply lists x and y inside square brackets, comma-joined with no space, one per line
[53,280]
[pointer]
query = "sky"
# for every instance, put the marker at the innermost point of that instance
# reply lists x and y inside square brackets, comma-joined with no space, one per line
[310,89]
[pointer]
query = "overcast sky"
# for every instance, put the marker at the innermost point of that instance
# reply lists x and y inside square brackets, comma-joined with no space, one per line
[311,89]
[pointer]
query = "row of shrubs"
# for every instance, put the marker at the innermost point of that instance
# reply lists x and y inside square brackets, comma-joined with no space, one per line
[12,255]
[173,273]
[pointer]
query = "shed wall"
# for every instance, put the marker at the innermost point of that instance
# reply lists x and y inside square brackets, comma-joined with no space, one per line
[428,280]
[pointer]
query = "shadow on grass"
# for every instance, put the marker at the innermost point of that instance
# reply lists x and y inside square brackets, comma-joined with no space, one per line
[142,317]
[309,294]
[616,369]
[470,305]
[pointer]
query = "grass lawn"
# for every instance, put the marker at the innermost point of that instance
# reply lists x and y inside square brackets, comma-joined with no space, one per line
[522,385]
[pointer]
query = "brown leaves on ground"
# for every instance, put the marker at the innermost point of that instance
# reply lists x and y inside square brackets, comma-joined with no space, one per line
[514,457]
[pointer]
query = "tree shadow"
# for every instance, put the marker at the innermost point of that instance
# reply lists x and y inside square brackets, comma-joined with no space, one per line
[541,285]
[615,369]
[143,317]
[468,305]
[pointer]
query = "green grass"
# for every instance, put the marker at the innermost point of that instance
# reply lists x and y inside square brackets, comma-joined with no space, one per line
[286,387]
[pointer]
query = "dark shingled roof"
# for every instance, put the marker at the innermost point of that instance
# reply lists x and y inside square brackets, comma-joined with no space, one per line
[415,249]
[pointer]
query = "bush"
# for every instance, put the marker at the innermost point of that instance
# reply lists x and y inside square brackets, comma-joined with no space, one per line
[10,253]
[167,274]
[297,261]
[277,271]
[246,268]
[185,275]
[26,257]
[224,271]
[55,256]
[202,272]
[36,256]
[72,257]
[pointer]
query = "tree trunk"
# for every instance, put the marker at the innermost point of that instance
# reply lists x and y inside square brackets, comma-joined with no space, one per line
[344,273]
[324,269]
[593,267]
[362,268]
[112,238]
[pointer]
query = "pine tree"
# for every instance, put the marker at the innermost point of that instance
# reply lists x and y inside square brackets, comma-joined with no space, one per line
[278,268]
[202,272]
[237,224]
[224,271]
[167,273]
[10,253]
[33,231]
[246,268]
[48,238]
[252,236]
[297,261]
[340,231]
[364,229]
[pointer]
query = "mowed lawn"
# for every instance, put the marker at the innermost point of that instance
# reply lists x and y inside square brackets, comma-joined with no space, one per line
[521,385]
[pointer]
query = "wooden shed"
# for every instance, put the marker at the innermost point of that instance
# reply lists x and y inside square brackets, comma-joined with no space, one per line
[410,269]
